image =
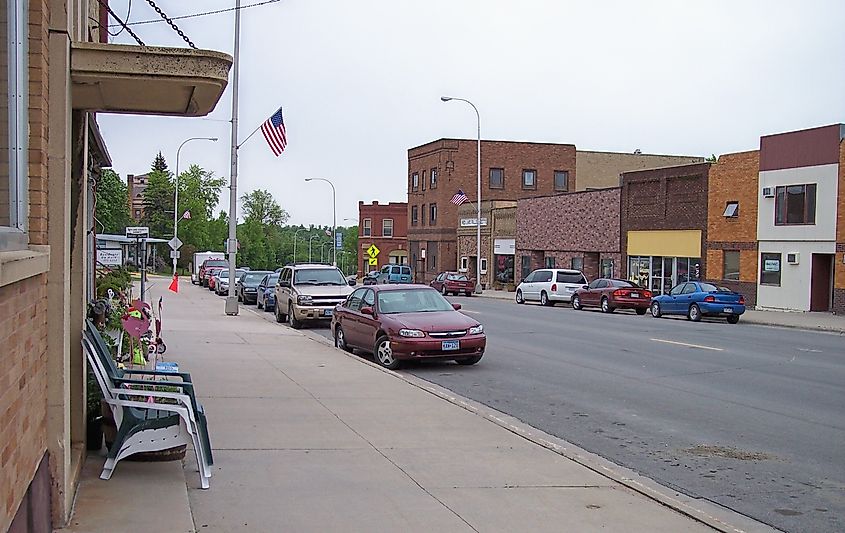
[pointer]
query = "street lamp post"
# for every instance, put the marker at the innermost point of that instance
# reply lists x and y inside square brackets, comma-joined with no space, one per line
[309,245]
[294,243]
[334,218]
[323,247]
[176,217]
[478,202]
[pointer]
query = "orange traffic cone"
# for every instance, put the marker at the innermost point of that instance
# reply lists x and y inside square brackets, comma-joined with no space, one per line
[174,285]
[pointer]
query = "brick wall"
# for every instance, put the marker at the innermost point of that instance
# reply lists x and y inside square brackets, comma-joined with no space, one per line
[23,389]
[39,17]
[839,260]
[398,211]
[602,169]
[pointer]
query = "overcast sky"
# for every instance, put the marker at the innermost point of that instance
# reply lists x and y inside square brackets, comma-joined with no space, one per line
[360,83]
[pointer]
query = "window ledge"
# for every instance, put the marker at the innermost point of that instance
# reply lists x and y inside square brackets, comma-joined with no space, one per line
[18,265]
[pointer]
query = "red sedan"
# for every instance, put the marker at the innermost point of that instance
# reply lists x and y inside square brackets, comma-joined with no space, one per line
[454,283]
[612,294]
[402,322]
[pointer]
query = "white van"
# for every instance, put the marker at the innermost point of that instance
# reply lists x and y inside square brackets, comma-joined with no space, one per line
[550,285]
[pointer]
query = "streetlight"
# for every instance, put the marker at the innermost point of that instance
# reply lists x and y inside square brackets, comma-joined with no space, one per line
[309,245]
[478,201]
[176,192]
[334,217]
[322,247]
[294,244]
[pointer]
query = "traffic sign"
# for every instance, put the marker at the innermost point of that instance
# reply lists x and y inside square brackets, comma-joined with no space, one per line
[373,251]
[373,261]
[338,240]
[174,254]
[175,243]
[138,232]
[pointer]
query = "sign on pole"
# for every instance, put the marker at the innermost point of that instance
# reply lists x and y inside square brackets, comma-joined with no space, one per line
[110,256]
[373,251]
[138,232]
[174,254]
[175,243]
[338,240]
[373,261]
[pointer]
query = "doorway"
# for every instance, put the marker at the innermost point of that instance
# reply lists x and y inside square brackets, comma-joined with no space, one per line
[821,282]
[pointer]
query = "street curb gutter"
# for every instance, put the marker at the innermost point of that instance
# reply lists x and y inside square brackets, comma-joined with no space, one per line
[706,512]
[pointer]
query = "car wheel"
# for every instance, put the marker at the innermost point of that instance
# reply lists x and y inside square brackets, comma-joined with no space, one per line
[576,303]
[469,360]
[655,310]
[519,298]
[444,291]
[605,306]
[340,340]
[280,318]
[384,354]
[733,319]
[640,311]
[694,313]
[292,320]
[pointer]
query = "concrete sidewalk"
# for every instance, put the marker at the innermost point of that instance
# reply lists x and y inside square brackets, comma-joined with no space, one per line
[786,319]
[309,438]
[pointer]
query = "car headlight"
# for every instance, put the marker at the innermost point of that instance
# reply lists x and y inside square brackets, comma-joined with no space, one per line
[411,333]
[303,299]
[475,330]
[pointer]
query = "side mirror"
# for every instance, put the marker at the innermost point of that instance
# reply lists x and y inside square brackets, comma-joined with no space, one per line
[522,280]
[456,307]
[352,282]
[585,286]
[367,310]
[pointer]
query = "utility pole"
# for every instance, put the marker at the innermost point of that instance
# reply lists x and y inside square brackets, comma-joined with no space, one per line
[232,243]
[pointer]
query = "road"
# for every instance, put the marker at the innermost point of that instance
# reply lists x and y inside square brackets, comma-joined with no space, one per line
[750,417]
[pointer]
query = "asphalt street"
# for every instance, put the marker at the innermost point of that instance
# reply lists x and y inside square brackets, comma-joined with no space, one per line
[749,417]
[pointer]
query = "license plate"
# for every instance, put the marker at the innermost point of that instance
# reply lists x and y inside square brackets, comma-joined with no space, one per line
[635,295]
[728,310]
[327,312]
[451,345]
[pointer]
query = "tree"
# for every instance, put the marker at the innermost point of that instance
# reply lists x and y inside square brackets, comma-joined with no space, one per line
[260,206]
[159,164]
[712,158]
[199,193]
[112,203]
[158,204]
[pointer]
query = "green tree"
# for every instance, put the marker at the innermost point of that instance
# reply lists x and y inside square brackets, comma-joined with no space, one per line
[159,164]
[260,206]
[158,204]
[199,193]
[112,203]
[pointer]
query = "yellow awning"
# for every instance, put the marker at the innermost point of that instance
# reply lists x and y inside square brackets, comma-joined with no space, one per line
[666,243]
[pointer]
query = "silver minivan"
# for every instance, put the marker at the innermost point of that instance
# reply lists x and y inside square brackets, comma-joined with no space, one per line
[550,285]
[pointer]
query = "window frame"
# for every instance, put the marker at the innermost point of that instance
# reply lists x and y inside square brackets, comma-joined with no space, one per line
[782,205]
[490,178]
[549,261]
[384,225]
[525,172]
[728,213]
[464,264]
[415,181]
[432,214]
[415,215]
[433,178]
[367,227]
[771,256]
[14,236]
[422,180]
[565,173]
[725,264]
[580,262]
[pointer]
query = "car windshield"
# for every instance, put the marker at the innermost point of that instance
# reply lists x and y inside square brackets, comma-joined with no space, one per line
[708,287]
[216,263]
[318,276]
[253,278]
[412,301]
[457,277]
[622,283]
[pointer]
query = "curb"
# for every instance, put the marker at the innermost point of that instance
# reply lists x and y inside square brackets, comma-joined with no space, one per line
[706,512]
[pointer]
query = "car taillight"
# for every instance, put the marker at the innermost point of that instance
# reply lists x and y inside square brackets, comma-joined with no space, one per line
[710,298]
[647,294]
[742,300]
[618,293]
[554,287]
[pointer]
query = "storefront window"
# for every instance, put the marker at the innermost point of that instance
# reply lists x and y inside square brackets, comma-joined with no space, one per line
[660,274]
[525,265]
[504,268]
[607,268]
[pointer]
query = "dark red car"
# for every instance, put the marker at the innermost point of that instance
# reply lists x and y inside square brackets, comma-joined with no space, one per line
[612,294]
[401,322]
[207,265]
[454,283]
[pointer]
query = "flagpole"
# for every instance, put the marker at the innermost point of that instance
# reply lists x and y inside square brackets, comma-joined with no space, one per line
[231,245]
[248,137]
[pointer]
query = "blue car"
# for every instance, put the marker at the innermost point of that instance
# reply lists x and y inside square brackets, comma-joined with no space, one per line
[265,298]
[696,299]
[394,274]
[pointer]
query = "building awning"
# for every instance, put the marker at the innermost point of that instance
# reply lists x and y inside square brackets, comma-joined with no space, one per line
[147,80]
[667,243]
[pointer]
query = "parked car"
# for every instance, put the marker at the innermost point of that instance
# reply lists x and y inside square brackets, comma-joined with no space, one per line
[612,294]
[371,278]
[696,299]
[394,274]
[309,292]
[204,260]
[221,281]
[402,322]
[265,296]
[247,289]
[210,278]
[549,286]
[453,283]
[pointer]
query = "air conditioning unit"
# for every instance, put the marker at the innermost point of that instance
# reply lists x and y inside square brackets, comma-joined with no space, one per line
[768,192]
[793,258]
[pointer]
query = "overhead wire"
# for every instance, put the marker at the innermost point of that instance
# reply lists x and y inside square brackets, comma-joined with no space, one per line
[202,14]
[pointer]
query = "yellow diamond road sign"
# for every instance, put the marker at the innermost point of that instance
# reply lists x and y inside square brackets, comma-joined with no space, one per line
[373,251]
[373,261]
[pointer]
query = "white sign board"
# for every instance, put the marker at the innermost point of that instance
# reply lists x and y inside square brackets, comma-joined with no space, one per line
[175,243]
[137,232]
[771,265]
[471,222]
[504,246]
[110,256]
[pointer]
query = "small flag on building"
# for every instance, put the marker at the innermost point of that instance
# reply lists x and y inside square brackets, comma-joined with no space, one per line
[459,198]
[274,133]
[186,215]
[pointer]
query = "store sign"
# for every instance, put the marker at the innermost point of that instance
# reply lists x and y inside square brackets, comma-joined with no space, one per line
[110,256]
[771,265]
[504,246]
[138,232]
[471,222]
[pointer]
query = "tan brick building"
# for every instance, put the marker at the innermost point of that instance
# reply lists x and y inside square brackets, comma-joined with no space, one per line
[52,152]
[732,223]
[599,170]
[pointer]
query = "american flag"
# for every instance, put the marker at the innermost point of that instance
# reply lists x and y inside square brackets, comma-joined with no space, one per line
[459,198]
[274,132]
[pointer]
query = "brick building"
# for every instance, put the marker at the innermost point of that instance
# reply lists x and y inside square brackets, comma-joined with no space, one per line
[135,186]
[386,226]
[800,220]
[663,220]
[509,171]
[498,234]
[732,223]
[576,230]
[64,72]
[599,170]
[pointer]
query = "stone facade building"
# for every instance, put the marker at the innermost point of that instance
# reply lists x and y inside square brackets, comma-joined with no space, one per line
[498,234]
[599,170]
[135,187]
[386,226]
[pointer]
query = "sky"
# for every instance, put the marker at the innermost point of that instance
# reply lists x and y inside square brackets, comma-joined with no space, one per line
[360,83]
